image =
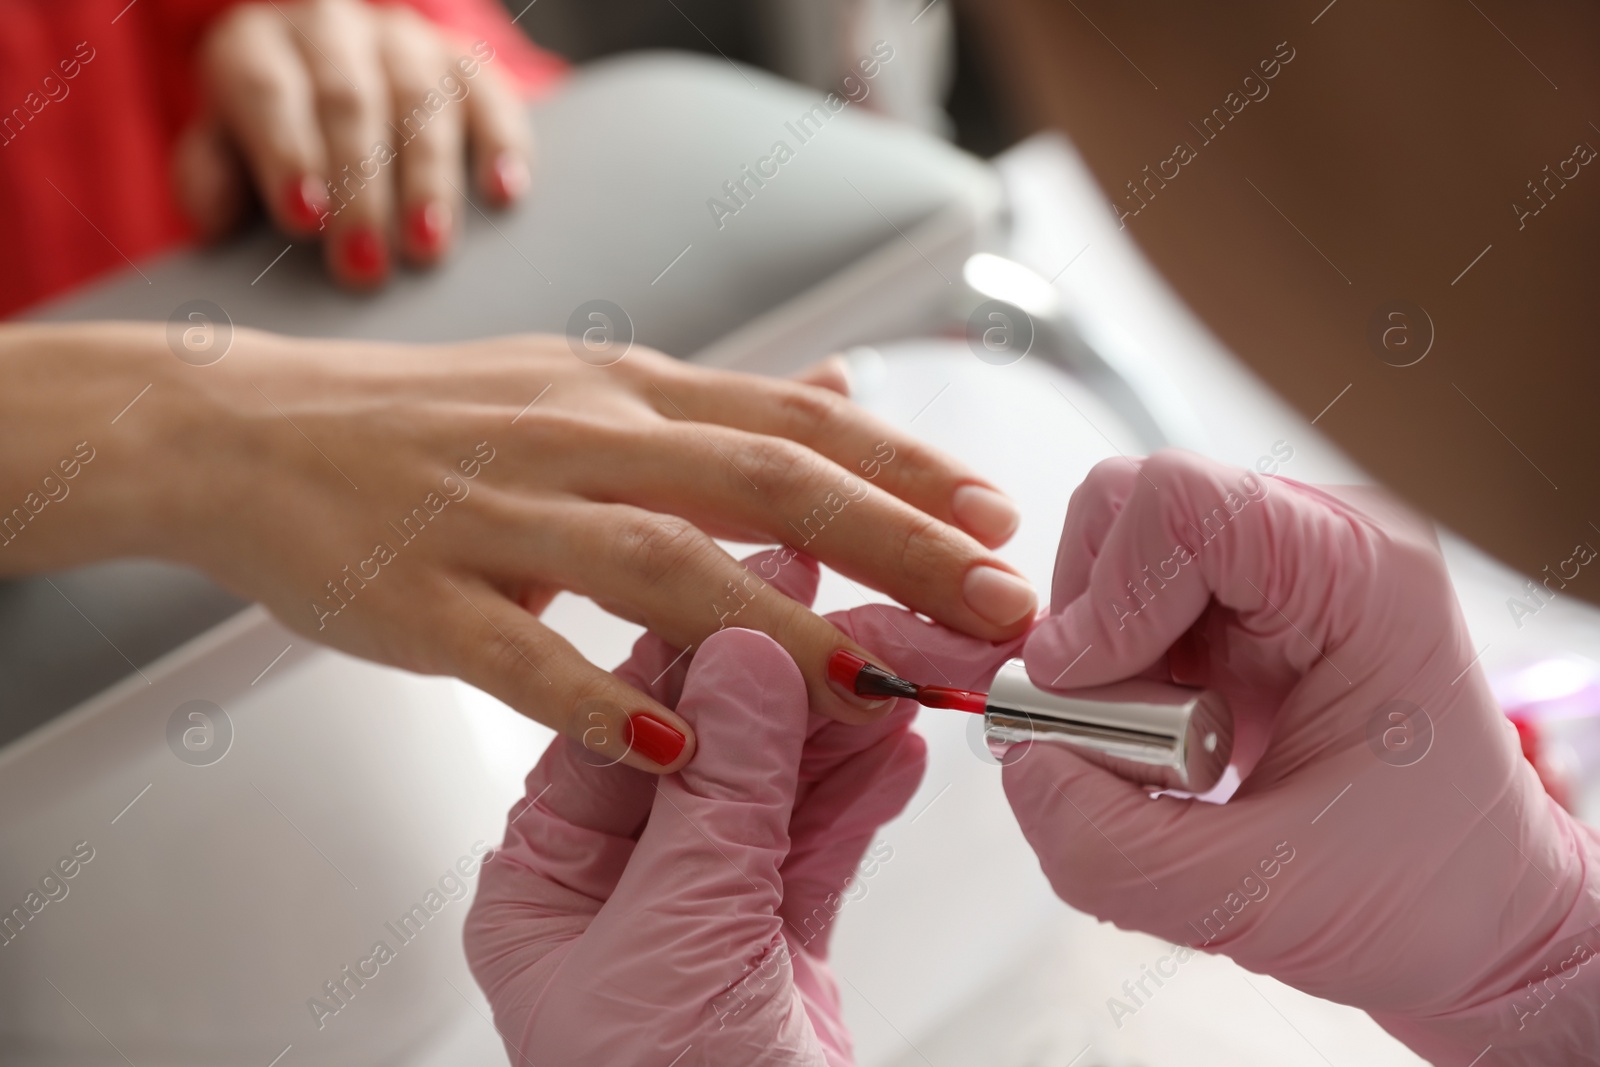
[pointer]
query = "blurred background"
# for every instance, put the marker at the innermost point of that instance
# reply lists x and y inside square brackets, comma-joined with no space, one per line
[950,84]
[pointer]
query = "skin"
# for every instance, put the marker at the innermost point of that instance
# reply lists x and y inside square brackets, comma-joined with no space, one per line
[303,92]
[525,471]
[1396,140]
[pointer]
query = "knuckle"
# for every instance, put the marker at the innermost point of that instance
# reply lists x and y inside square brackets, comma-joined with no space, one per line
[924,542]
[1170,467]
[1419,560]
[341,102]
[252,81]
[405,20]
[553,431]
[651,547]
[646,366]
[409,89]
[428,153]
[771,462]
[516,656]
[1106,476]
[238,24]
[805,410]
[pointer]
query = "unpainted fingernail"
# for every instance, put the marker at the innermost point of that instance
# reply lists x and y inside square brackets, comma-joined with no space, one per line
[427,226]
[364,255]
[985,513]
[655,740]
[998,596]
[305,201]
[509,178]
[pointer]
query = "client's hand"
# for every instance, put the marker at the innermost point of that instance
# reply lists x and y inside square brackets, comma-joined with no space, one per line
[1389,847]
[420,505]
[685,919]
[370,101]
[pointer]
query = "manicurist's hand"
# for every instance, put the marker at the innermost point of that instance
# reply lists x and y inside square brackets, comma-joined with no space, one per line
[353,123]
[420,505]
[1389,846]
[687,919]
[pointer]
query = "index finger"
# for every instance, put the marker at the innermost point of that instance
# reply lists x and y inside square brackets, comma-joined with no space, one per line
[831,425]
[1191,530]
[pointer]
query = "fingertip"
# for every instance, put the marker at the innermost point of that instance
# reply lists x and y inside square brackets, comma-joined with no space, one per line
[1047,651]
[624,726]
[748,698]
[665,742]
[428,229]
[508,178]
[999,596]
[359,257]
[985,513]
[742,664]
[302,204]
[1039,777]
[845,705]
[831,373]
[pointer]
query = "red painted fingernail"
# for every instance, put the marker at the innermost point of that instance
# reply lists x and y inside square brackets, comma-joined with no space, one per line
[654,739]
[363,254]
[305,199]
[510,178]
[843,668]
[427,226]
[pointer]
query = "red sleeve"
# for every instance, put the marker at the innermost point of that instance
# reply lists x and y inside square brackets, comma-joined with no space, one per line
[531,69]
[93,94]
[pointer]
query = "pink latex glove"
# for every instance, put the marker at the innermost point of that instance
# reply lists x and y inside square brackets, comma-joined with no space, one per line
[1447,895]
[685,920]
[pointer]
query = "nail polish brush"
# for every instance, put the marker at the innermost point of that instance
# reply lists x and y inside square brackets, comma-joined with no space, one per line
[1152,733]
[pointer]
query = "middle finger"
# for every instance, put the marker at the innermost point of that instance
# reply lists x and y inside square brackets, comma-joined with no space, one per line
[339,43]
[760,488]
[429,120]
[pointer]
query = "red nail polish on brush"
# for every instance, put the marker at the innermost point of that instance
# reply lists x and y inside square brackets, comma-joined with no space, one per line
[858,676]
[844,666]
[653,739]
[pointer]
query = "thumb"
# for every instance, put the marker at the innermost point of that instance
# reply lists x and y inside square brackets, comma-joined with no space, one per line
[1097,835]
[834,824]
[693,924]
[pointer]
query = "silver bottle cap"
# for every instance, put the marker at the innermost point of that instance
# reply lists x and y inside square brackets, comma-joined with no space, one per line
[1152,733]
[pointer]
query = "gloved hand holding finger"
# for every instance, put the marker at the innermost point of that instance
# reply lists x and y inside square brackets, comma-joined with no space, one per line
[617,925]
[685,954]
[352,122]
